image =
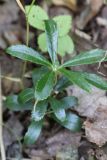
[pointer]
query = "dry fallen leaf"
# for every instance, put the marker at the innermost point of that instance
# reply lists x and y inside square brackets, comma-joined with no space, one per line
[88,8]
[96,130]
[88,102]
[61,140]
[101,154]
[93,106]
[8,14]
[12,132]
[69,3]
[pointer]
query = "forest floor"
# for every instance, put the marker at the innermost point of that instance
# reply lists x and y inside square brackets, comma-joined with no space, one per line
[54,142]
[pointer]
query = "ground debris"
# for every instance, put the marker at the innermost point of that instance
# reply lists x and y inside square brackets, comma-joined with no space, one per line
[68,153]
[12,134]
[61,140]
[101,154]
[96,129]
[94,107]
[89,102]
[63,144]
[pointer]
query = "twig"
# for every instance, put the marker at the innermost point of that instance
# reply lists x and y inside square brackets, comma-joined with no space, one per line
[101,21]
[2,148]
[82,34]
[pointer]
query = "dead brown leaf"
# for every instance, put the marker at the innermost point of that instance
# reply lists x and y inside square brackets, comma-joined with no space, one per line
[100,154]
[93,106]
[61,140]
[96,130]
[10,29]
[88,102]
[88,8]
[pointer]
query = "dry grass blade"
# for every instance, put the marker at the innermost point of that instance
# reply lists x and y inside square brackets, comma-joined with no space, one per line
[20,5]
[11,78]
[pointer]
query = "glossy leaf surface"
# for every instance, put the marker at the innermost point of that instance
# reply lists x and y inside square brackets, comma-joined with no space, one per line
[45,86]
[40,111]
[26,95]
[77,78]
[72,122]
[62,83]
[52,39]
[95,80]
[38,73]
[65,44]
[69,102]
[13,104]
[27,54]
[59,111]
[33,132]
[88,57]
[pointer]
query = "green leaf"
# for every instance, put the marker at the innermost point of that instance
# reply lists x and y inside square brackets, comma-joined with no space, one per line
[69,102]
[33,132]
[65,45]
[72,122]
[89,57]
[62,83]
[76,78]
[59,111]
[37,73]
[26,95]
[27,54]
[95,80]
[63,23]
[36,17]
[40,111]
[45,86]
[52,38]
[13,104]
[42,42]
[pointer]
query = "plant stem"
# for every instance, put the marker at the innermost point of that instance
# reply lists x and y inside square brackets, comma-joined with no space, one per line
[34,107]
[49,112]
[3,155]
[55,78]
[27,43]
[33,1]
[27,38]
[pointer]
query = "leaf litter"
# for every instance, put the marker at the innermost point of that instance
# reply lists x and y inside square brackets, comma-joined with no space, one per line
[94,107]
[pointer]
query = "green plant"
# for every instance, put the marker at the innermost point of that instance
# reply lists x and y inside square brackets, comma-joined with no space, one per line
[36,19]
[45,98]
